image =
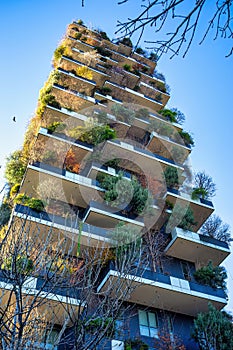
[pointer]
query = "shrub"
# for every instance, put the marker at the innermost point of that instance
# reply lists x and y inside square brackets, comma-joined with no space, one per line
[5,213]
[169,115]
[49,156]
[93,136]
[123,114]
[188,220]
[214,277]
[33,203]
[126,41]
[204,185]
[56,126]
[104,35]
[216,228]
[187,138]
[125,193]
[80,22]
[22,264]
[142,113]
[105,90]
[171,177]
[102,51]
[15,167]
[14,190]
[78,35]
[166,130]
[84,72]
[140,51]
[153,57]
[127,67]
[199,192]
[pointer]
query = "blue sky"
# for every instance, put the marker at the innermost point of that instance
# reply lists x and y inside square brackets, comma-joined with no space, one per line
[201,84]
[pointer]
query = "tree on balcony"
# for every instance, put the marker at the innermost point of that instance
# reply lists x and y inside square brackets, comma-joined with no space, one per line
[204,186]
[213,330]
[216,228]
[15,167]
[213,276]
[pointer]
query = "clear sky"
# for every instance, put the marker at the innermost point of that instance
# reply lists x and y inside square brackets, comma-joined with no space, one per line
[201,84]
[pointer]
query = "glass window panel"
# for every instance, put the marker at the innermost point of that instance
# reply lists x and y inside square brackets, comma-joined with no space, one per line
[144,331]
[143,318]
[154,332]
[152,320]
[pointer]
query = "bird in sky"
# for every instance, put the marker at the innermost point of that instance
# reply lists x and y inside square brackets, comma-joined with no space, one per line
[14,119]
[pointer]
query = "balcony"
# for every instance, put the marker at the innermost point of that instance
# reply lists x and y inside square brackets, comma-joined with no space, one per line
[67,187]
[201,208]
[197,248]
[138,158]
[68,64]
[66,226]
[131,96]
[72,98]
[101,215]
[152,91]
[166,147]
[57,302]
[75,82]
[165,292]
[64,142]
[142,59]
[53,114]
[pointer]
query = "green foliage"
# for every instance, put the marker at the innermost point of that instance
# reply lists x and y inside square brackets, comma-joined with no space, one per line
[56,126]
[102,51]
[102,117]
[14,190]
[153,57]
[187,138]
[105,90]
[101,324]
[5,213]
[216,228]
[113,163]
[80,22]
[123,114]
[199,192]
[33,203]
[49,156]
[127,67]
[188,220]
[15,167]
[169,115]
[214,277]
[78,35]
[213,330]
[135,344]
[59,52]
[166,130]
[94,135]
[104,35]
[171,177]
[124,193]
[142,113]
[126,41]
[140,51]
[19,264]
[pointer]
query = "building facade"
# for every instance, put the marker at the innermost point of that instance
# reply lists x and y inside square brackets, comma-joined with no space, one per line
[102,116]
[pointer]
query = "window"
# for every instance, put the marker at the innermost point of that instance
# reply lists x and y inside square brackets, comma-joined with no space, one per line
[148,323]
[186,270]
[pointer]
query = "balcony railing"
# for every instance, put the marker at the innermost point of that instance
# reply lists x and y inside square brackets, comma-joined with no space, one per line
[65,222]
[195,247]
